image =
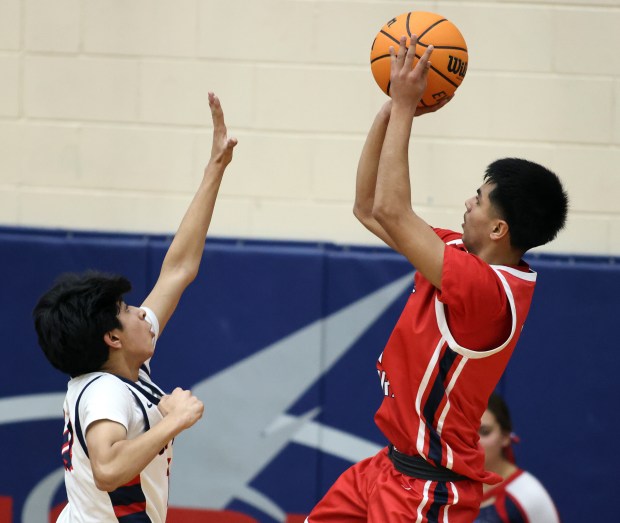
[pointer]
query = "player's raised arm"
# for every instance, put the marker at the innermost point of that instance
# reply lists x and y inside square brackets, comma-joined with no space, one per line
[368,166]
[392,207]
[182,260]
[366,179]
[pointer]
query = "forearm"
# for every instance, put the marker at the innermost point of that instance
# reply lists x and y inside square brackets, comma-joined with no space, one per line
[186,249]
[368,165]
[393,189]
[411,234]
[366,179]
[123,460]
[182,260]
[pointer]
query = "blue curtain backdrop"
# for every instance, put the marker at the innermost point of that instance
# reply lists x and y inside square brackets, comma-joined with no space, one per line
[280,342]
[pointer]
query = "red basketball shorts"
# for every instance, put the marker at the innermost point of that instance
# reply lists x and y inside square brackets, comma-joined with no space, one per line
[374,491]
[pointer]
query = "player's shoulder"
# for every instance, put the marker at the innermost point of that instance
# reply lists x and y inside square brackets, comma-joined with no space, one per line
[532,496]
[96,383]
[448,236]
[526,482]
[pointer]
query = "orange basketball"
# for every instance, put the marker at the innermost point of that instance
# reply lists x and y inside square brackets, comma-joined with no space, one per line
[448,61]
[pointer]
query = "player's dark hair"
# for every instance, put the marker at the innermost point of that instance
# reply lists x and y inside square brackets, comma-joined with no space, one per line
[530,198]
[497,406]
[72,318]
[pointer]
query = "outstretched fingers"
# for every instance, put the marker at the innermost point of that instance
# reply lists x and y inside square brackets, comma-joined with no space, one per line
[397,58]
[410,55]
[221,150]
[217,114]
[424,62]
[402,51]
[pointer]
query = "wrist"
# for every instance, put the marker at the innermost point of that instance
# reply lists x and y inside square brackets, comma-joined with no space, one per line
[405,109]
[215,168]
[405,105]
[386,109]
[173,423]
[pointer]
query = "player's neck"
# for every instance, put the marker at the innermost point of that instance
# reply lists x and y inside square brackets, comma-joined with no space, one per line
[120,367]
[503,468]
[500,256]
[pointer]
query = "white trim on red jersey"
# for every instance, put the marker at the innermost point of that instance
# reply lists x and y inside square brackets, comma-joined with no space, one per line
[477,354]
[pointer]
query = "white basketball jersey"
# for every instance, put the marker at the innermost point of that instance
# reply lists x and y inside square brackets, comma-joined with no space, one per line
[96,396]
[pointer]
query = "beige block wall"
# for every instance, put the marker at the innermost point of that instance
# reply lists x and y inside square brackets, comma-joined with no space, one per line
[104,120]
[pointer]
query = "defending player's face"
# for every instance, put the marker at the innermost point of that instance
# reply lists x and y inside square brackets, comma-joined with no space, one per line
[478,220]
[492,439]
[136,335]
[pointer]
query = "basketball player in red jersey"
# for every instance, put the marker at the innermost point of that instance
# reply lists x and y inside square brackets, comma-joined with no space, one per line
[472,292]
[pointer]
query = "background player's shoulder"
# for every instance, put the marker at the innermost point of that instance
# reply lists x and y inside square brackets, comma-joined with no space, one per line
[534,498]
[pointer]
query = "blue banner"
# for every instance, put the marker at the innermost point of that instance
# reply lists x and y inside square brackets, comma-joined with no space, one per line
[280,341]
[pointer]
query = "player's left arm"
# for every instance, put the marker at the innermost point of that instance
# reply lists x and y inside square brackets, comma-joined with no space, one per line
[368,165]
[392,207]
[115,460]
[181,263]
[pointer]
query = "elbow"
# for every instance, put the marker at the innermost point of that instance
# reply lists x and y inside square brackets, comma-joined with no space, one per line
[383,214]
[107,478]
[362,214]
[390,211]
[105,481]
[363,211]
[189,275]
[184,276]
[181,274]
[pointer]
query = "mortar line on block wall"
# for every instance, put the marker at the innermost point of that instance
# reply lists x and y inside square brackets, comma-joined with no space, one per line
[533,4]
[299,133]
[102,191]
[289,65]
[200,60]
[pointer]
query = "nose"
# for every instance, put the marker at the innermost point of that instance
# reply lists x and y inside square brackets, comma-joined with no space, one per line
[141,314]
[469,203]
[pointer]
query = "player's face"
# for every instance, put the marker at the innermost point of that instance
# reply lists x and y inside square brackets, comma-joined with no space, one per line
[136,334]
[493,439]
[479,219]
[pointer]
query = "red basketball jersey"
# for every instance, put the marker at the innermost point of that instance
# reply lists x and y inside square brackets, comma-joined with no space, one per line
[446,354]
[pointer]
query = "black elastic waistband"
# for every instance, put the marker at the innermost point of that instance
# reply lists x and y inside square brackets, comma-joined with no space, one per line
[418,467]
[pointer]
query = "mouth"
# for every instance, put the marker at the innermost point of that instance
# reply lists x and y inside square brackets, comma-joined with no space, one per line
[150,326]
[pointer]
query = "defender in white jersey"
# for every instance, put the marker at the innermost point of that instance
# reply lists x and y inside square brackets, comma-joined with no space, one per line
[119,426]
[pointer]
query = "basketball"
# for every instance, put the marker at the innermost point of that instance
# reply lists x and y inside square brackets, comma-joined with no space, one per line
[448,61]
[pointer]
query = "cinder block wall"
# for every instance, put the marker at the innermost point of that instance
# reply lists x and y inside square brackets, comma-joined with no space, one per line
[104,121]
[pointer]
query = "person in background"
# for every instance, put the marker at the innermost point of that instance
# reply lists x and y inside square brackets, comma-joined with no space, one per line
[520,497]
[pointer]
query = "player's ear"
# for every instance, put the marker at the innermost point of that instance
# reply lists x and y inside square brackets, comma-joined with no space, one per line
[112,340]
[500,230]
